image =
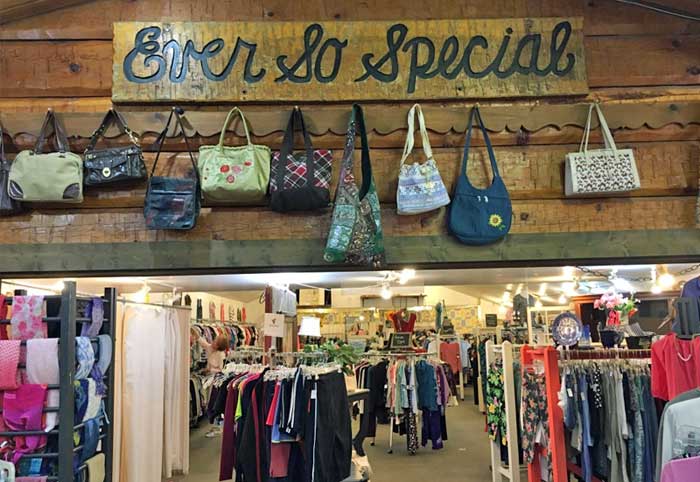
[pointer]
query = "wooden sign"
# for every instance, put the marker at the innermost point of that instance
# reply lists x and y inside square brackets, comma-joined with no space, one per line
[340,61]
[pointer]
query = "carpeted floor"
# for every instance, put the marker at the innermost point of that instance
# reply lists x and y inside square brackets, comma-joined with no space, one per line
[465,458]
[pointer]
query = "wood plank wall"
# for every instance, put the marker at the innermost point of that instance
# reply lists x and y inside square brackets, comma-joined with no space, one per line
[642,65]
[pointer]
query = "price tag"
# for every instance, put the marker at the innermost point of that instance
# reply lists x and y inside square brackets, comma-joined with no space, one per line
[570,392]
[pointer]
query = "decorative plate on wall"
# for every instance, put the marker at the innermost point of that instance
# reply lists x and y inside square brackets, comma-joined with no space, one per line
[567,329]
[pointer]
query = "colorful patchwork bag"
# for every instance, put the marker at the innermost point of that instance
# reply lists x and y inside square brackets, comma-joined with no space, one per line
[420,185]
[234,175]
[172,202]
[355,235]
[295,183]
[479,216]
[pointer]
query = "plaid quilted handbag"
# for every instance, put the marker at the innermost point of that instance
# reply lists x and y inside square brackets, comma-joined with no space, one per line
[295,183]
[172,202]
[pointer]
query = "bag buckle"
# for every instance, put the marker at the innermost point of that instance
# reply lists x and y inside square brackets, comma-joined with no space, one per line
[106,172]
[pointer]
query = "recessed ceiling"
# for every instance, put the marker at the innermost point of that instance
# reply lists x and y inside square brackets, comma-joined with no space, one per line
[481,282]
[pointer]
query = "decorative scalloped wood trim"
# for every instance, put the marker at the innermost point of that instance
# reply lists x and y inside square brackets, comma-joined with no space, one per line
[383,119]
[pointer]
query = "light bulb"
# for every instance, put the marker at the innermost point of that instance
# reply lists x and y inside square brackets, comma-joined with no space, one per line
[543,289]
[538,304]
[656,289]
[362,317]
[667,280]
[386,292]
[502,310]
[568,272]
[562,300]
[406,275]
[621,284]
[506,296]
[58,286]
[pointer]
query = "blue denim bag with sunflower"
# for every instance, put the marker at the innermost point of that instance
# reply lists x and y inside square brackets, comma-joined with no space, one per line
[479,216]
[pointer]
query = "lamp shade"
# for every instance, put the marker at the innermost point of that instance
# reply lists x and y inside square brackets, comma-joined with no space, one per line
[310,326]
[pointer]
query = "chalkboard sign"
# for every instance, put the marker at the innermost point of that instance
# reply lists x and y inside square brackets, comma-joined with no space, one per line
[491,320]
[400,341]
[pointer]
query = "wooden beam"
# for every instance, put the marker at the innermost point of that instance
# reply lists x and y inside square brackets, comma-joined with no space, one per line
[71,225]
[94,21]
[208,256]
[13,10]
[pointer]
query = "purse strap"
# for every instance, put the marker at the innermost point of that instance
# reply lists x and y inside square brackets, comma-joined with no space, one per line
[229,117]
[175,113]
[608,139]
[408,146]
[465,158]
[112,116]
[2,143]
[296,117]
[359,117]
[50,120]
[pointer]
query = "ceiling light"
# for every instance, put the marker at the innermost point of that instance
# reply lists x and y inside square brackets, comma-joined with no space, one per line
[502,310]
[568,288]
[506,296]
[509,286]
[656,289]
[543,289]
[667,280]
[538,304]
[406,275]
[362,317]
[58,286]
[563,300]
[568,272]
[386,292]
[621,284]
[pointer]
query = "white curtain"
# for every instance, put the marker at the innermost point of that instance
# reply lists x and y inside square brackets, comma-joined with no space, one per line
[151,393]
[176,439]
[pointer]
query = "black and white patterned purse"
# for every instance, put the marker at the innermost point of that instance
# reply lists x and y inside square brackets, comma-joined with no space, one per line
[600,171]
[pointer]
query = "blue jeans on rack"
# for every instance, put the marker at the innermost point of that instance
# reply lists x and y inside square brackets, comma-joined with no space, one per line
[586,464]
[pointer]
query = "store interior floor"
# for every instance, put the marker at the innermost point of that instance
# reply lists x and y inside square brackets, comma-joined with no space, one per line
[465,458]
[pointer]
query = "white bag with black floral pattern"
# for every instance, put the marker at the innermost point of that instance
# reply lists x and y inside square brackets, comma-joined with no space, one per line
[600,171]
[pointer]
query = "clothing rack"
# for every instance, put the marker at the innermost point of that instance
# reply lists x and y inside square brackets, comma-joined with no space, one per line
[68,320]
[500,471]
[549,358]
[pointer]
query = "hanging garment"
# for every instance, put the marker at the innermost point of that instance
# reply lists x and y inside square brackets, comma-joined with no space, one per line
[95,311]
[675,366]
[42,369]
[85,356]
[9,362]
[22,410]
[495,405]
[27,318]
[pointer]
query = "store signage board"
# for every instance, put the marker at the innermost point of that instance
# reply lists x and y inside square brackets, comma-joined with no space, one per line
[342,61]
[274,325]
[491,320]
[400,340]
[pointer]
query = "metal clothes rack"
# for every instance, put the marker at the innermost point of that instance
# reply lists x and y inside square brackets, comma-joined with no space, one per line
[511,471]
[68,320]
[549,358]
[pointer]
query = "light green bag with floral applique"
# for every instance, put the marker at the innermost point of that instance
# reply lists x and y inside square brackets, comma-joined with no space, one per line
[234,175]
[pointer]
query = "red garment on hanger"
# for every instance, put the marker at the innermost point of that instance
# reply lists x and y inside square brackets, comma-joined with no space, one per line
[400,323]
[675,366]
[449,353]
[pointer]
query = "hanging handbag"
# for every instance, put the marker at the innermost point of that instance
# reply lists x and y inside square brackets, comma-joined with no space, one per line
[113,164]
[355,235]
[8,206]
[172,202]
[234,175]
[52,177]
[600,171]
[479,216]
[295,183]
[420,185]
